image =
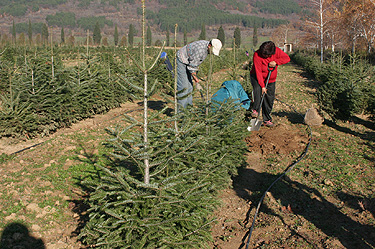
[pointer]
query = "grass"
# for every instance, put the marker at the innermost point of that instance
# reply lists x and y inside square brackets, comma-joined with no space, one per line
[335,153]
[337,170]
[339,165]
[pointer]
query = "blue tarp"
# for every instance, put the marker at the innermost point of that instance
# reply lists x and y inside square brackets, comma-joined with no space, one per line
[234,90]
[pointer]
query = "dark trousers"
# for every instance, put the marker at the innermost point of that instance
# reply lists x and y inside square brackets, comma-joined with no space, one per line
[268,99]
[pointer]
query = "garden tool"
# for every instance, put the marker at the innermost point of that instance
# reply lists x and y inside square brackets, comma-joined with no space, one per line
[255,123]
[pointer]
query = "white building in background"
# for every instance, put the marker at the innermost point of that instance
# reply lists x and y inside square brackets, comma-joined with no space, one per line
[287,48]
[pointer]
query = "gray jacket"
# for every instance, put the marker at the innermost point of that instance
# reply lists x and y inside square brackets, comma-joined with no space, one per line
[193,54]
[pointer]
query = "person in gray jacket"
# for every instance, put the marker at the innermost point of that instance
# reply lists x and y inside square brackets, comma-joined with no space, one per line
[189,58]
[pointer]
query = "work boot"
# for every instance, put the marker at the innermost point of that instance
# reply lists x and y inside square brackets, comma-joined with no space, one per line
[268,123]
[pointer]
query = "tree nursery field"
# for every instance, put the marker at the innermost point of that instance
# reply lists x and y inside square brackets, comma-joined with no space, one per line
[77,185]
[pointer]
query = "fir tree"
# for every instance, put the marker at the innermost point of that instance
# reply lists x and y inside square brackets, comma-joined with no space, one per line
[115,36]
[131,35]
[62,35]
[237,37]
[255,37]
[221,35]
[96,36]
[202,35]
[30,32]
[160,187]
[148,37]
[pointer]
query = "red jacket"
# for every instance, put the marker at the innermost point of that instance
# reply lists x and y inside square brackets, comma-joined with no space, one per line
[260,66]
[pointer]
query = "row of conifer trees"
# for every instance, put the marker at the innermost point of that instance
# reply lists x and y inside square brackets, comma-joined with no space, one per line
[346,83]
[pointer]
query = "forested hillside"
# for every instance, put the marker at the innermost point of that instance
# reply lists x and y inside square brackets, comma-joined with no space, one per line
[82,15]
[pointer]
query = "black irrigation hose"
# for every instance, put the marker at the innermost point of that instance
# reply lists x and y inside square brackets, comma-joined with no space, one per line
[290,167]
[32,146]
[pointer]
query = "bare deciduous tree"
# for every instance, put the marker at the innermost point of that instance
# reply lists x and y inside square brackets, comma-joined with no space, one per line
[320,24]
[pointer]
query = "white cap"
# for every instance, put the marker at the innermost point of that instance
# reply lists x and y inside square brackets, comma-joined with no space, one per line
[216,46]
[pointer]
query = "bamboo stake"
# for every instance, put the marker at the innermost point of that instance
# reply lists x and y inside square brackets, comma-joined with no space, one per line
[175,76]
[145,96]
[53,69]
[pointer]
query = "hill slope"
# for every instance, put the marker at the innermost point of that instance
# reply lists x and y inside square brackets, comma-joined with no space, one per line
[161,14]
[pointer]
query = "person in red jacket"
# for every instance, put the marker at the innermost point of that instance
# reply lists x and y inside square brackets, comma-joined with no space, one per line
[267,56]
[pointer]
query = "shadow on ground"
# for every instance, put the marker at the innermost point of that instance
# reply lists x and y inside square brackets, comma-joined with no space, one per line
[307,202]
[17,235]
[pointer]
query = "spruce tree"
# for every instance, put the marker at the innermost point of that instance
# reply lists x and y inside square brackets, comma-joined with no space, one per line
[255,37]
[62,35]
[115,36]
[148,37]
[96,36]
[131,35]
[30,32]
[202,35]
[221,35]
[237,37]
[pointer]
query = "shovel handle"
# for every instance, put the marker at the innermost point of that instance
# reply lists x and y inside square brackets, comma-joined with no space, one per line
[268,78]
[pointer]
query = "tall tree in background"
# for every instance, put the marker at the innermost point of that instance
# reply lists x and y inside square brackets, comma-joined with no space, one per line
[202,35]
[30,32]
[221,35]
[14,33]
[96,35]
[167,38]
[322,9]
[115,36]
[281,34]
[361,15]
[185,37]
[45,33]
[255,37]
[131,35]
[62,35]
[237,37]
[148,36]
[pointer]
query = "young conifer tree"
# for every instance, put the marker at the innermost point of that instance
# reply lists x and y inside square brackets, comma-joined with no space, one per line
[159,191]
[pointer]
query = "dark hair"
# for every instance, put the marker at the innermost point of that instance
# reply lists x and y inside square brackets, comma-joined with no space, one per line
[267,49]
